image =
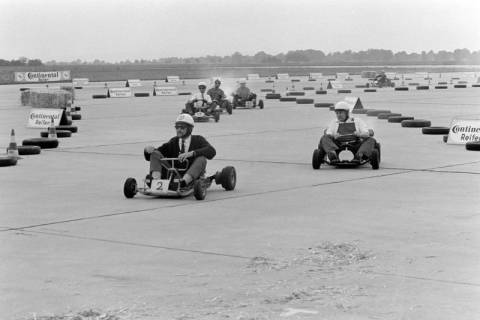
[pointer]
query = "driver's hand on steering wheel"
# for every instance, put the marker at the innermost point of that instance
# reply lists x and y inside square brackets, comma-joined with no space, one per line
[149,149]
[357,134]
[335,135]
[184,156]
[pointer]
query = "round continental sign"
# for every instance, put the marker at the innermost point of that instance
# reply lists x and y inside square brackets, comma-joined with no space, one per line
[66,74]
[19,76]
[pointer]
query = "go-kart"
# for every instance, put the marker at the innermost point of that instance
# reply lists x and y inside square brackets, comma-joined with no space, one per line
[203,114]
[380,82]
[247,104]
[169,184]
[345,154]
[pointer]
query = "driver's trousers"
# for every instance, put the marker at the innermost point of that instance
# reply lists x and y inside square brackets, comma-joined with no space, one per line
[196,167]
[364,145]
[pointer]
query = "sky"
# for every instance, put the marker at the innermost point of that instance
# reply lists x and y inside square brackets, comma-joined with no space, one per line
[117,30]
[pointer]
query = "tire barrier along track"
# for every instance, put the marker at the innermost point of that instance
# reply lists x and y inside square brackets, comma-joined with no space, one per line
[6,161]
[323,104]
[60,134]
[305,101]
[399,119]
[72,129]
[473,146]
[418,123]
[374,112]
[28,150]
[436,130]
[44,143]
[285,99]
[273,96]
[387,115]
[295,93]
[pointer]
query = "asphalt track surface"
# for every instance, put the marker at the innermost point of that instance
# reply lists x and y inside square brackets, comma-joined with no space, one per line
[400,242]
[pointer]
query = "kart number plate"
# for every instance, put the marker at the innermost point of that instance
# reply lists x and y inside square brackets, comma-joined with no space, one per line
[160,185]
[199,114]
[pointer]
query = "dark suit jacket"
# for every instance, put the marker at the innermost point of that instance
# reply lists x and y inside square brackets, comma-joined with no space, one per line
[198,144]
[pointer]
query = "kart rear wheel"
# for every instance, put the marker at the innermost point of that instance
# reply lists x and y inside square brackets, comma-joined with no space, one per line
[130,188]
[375,159]
[317,158]
[199,190]
[260,104]
[216,116]
[229,107]
[228,178]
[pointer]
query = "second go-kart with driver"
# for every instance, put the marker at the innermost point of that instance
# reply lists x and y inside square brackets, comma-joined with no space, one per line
[169,183]
[204,114]
[224,105]
[345,154]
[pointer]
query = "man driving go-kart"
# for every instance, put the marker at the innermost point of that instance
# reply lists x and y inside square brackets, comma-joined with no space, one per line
[177,167]
[347,133]
[243,94]
[219,97]
[200,101]
[185,146]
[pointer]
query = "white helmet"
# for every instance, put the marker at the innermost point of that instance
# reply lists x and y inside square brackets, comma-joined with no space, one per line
[186,119]
[342,105]
[201,83]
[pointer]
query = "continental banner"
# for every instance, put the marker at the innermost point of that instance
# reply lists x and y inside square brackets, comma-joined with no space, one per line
[42,76]
[42,118]
[463,131]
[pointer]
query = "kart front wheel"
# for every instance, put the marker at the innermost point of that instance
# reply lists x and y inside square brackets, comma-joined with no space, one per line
[130,188]
[228,178]
[260,104]
[199,191]
[229,107]
[375,159]
[317,158]
[216,116]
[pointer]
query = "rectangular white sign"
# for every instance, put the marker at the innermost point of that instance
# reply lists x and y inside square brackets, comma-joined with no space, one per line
[119,93]
[336,85]
[165,91]
[173,79]
[80,81]
[463,131]
[253,76]
[133,83]
[42,76]
[342,75]
[283,76]
[42,118]
[316,75]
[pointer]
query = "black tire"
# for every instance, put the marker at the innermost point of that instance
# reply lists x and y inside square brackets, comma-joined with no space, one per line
[287,99]
[375,159]
[295,93]
[77,108]
[272,96]
[388,115]
[269,81]
[216,116]
[130,188]
[317,158]
[473,146]
[6,161]
[378,147]
[423,87]
[321,92]
[476,85]
[374,112]
[323,105]
[28,150]
[460,86]
[401,89]
[369,90]
[308,88]
[24,89]
[344,91]
[305,101]
[419,123]
[445,138]
[435,130]
[228,107]
[76,116]
[60,134]
[99,96]
[141,94]
[78,88]
[295,80]
[228,178]
[399,119]
[266,90]
[184,93]
[441,87]
[44,143]
[199,190]
[260,104]
[72,129]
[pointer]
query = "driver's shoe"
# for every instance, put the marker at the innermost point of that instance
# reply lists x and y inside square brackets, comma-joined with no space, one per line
[332,156]
[148,180]
[184,186]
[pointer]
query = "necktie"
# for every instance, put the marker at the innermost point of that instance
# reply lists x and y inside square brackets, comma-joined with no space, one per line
[182,150]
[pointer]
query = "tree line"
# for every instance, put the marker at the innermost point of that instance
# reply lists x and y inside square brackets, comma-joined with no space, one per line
[297,57]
